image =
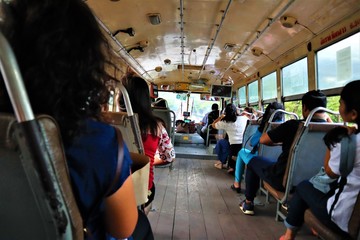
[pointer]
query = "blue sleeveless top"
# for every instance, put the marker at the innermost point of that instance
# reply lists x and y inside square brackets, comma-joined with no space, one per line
[92,160]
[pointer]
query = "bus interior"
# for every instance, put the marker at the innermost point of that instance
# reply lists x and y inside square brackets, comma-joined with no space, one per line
[194,53]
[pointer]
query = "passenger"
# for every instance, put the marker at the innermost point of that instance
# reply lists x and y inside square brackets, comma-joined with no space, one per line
[273,171]
[222,150]
[207,120]
[234,126]
[160,103]
[154,135]
[62,55]
[306,196]
[245,155]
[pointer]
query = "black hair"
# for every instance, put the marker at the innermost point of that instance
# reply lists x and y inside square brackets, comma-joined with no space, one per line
[230,113]
[139,95]
[268,112]
[161,103]
[314,99]
[350,96]
[62,54]
[215,107]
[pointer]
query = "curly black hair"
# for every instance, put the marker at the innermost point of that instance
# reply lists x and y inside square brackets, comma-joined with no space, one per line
[62,55]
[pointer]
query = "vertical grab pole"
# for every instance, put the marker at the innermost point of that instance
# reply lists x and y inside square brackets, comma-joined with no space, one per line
[130,113]
[14,83]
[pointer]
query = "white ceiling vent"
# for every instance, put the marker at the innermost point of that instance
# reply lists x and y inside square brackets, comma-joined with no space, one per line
[256,51]
[287,21]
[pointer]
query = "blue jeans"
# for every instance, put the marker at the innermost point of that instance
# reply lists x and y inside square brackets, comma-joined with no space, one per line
[306,196]
[244,157]
[255,172]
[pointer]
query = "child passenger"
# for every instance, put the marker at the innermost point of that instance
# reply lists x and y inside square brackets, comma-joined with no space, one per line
[306,196]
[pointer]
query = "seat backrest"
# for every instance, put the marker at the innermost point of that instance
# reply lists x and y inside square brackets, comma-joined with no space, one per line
[270,152]
[169,118]
[250,129]
[307,153]
[122,121]
[141,165]
[25,209]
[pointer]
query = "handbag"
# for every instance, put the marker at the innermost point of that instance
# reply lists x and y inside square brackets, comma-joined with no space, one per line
[321,181]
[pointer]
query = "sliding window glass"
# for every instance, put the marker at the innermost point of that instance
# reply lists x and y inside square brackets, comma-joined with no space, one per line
[339,63]
[242,96]
[254,92]
[269,86]
[295,78]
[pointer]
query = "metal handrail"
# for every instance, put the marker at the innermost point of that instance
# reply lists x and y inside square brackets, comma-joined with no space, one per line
[283,111]
[311,114]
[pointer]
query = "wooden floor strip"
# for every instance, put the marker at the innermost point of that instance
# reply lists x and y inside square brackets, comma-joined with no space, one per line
[193,200]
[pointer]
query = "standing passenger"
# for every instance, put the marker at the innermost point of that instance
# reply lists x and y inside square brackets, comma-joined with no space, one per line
[62,54]
[234,126]
[306,196]
[153,132]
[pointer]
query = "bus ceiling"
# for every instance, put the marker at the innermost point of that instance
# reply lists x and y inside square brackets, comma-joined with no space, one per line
[191,45]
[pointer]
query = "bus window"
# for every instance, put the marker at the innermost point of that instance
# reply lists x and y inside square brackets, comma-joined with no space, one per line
[295,78]
[178,103]
[242,96]
[339,63]
[254,92]
[269,89]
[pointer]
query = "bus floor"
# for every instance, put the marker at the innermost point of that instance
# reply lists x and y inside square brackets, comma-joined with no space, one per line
[193,200]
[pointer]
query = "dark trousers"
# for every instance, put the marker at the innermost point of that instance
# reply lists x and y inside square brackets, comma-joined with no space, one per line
[143,229]
[255,172]
[234,150]
[306,196]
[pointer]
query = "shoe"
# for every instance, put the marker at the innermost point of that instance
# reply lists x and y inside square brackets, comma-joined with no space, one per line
[236,189]
[247,208]
[230,171]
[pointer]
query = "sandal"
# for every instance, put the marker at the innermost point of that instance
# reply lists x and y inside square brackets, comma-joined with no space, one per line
[218,165]
[236,189]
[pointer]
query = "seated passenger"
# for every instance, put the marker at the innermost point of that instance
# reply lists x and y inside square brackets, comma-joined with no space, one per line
[245,155]
[306,196]
[153,132]
[272,171]
[234,126]
[160,103]
[208,120]
[62,61]
[222,150]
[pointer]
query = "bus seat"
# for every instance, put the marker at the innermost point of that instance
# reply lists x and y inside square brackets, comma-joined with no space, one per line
[24,209]
[211,137]
[270,152]
[250,129]
[305,159]
[326,233]
[169,118]
[141,166]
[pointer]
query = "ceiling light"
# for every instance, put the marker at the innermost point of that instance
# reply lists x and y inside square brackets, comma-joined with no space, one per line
[229,47]
[154,18]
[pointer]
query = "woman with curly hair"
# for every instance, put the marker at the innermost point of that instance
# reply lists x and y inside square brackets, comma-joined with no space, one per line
[62,55]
